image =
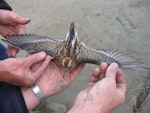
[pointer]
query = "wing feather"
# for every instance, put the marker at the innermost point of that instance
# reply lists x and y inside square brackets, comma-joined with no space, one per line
[34,43]
[109,56]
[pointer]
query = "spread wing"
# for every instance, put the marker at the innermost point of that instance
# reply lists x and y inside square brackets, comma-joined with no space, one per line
[34,43]
[124,61]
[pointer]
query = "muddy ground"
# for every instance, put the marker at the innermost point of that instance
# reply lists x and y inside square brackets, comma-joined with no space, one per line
[117,24]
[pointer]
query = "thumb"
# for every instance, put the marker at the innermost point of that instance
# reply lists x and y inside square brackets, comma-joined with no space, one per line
[35,58]
[23,21]
[20,20]
[112,71]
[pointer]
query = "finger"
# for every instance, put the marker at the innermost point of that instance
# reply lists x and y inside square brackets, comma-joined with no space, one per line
[35,58]
[20,29]
[11,51]
[8,51]
[96,73]
[112,71]
[94,77]
[120,77]
[28,55]
[5,31]
[77,69]
[103,68]
[19,20]
[35,66]
[42,67]
[121,83]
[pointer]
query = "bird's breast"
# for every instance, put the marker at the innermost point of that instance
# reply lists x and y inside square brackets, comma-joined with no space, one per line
[67,62]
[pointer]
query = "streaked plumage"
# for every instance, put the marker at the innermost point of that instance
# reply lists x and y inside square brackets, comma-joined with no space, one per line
[70,51]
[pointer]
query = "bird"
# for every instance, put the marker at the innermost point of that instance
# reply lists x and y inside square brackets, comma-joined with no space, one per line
[71,51]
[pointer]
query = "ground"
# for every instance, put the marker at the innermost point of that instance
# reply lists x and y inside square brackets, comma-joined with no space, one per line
[117,24]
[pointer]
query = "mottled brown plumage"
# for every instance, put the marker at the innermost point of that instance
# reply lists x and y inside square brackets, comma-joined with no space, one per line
[70,51]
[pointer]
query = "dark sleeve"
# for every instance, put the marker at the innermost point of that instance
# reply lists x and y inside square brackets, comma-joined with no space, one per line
[4,5]
[11,99]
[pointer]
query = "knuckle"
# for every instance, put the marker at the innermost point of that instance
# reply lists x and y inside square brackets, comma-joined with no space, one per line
[10,16]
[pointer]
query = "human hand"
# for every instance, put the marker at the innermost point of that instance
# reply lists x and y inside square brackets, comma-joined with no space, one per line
[11,23]
[56,78]
[106,91]
[19,70]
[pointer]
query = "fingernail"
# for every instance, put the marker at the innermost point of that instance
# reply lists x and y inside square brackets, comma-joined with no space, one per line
[114,65]
[42,54]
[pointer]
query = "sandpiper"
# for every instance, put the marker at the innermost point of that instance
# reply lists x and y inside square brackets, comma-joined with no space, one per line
[70,51]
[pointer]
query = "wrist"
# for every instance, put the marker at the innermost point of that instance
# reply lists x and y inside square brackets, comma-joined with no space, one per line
[85,108]
[3,72]
[30,99]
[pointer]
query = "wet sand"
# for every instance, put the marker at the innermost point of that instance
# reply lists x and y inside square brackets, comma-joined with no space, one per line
[117,24]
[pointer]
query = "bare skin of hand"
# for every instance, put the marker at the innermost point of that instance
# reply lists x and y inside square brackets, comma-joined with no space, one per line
[11,23]
[106,91]
[56,78]
[18,70]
